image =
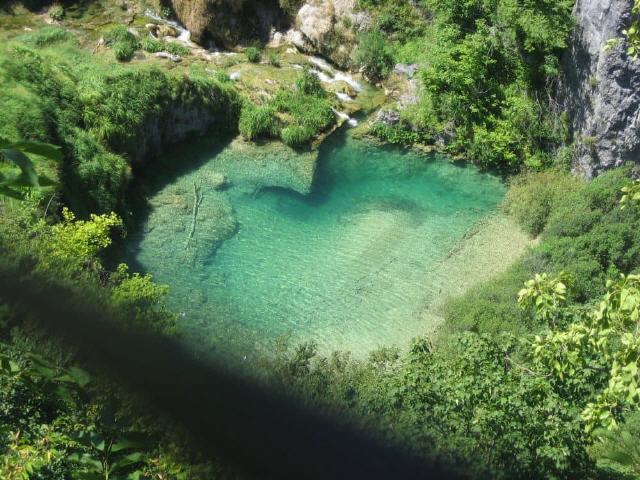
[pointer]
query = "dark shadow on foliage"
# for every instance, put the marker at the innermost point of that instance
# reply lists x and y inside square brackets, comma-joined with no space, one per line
[258,432]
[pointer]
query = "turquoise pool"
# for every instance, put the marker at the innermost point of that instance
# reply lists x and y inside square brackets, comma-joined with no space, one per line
[350,265]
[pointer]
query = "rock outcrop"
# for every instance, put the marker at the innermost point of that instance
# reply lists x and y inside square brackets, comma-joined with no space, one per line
[229,22]
[326,27]
[601,89]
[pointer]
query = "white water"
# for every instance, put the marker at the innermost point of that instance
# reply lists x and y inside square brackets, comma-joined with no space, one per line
[326,73]
[184,35]
[345,77]
[352,122]
[344,97]
[321,63]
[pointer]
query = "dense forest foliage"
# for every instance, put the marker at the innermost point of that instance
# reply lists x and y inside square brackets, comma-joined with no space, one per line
[488,76]
[535,372]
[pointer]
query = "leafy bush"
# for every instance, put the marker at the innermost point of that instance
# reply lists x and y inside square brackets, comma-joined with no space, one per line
[465,403]
[274,60]
[490,308]
[253,54]
[96,113]
[395,134]
[485,93]
[151,44]
[123,43]
[307,110]
[309,84]
[373,56]
[256,122]
[176,48]
[47,36]
[590,237]
[585,234]
[532,197]
[56,13]
[296,135]
[123,51]
[103,176]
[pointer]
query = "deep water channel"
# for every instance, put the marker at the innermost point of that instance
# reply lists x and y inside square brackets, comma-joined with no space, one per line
[351,265]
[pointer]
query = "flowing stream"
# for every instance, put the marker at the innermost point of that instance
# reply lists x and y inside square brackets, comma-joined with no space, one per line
[351,265]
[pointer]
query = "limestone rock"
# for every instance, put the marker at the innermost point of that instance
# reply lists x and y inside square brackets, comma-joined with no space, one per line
[408,70]
[152,28]
[228,22]
[315,21]
[601,90]
[389,117]
[319,21]
[169,56]
[167,31]
[298,40]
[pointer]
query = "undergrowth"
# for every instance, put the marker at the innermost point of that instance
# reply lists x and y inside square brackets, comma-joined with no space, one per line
[96,109]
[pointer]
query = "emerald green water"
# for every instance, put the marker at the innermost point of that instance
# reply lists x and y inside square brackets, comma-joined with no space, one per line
[352,265]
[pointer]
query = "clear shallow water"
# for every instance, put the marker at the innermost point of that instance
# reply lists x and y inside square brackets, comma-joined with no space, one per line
[351,266]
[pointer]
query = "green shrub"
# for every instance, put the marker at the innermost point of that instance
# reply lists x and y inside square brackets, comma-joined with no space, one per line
[123,51]
[532,197]
[290,7]
[103,176]
[176,48]
[47,36]
[307,110]
[491,307]
[56,13]
[151,45]
[486,92]
[274,60]
[47,98]
[373,56]
[118,33]
[123,43]
[395,134]
[253,54]
[309,84]
[585,234]
[463,402]
[257,122]
[222,76]
[296,135]
[589,236]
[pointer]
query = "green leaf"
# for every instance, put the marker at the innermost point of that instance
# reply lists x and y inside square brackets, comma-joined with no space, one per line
[127,461]
[86,461]
[9,192]
[46,150]
[25,164]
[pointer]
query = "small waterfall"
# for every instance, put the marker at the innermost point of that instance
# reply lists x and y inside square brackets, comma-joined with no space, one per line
[321,63]
[326,73]
[352,122]
[345,77]
[343,97]
[322,76]
[184,35]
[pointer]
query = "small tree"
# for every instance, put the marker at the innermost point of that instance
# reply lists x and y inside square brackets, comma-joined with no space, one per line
[373,56]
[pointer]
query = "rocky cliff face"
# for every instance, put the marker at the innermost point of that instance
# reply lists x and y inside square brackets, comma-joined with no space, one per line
[601,89]
[326,27]
[229,22]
